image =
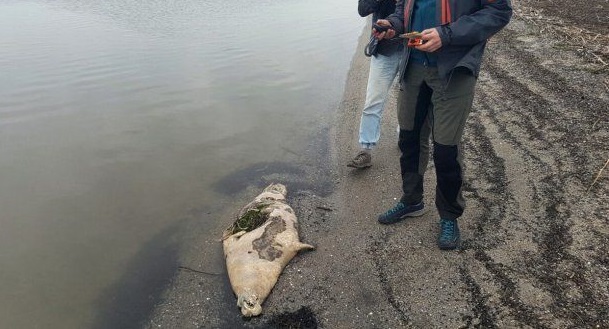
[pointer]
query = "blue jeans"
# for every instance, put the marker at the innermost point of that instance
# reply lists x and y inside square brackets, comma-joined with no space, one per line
[383,70]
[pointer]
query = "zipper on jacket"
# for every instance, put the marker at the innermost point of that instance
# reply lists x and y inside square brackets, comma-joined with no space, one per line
[407,16]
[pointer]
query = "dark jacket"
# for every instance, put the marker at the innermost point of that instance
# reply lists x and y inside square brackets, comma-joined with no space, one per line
[380,9]
[465,26]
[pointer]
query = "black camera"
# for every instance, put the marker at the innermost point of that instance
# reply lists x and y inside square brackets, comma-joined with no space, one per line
[380,29]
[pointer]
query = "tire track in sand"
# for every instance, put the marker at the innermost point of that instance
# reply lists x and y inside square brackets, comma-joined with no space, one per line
[531,149]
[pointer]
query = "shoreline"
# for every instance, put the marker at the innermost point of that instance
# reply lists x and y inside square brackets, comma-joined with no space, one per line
[527,257]
[317,215]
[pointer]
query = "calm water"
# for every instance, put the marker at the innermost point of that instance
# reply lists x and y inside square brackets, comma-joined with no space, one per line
[124,121]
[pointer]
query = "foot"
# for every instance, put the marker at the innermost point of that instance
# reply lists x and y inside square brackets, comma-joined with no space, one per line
[449,238]
[401,211]
[362,160]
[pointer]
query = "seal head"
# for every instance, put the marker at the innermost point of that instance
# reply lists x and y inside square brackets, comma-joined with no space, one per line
[250,304]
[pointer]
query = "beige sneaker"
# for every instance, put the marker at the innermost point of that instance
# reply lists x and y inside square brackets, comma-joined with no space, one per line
[362,160]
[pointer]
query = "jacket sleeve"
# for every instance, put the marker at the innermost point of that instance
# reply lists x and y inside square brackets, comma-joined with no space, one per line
[471,29]
[397,18]
[367,7]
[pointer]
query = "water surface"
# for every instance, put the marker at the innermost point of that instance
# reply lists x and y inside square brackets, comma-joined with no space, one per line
[121,120]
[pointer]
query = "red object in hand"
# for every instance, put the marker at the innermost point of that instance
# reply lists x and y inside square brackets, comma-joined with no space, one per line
[414,38]
[414,42]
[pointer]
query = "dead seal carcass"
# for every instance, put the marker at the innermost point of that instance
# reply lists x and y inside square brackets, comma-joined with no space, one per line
[257,247]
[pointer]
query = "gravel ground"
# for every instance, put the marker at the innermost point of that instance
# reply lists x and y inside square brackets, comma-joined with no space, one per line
[535,233]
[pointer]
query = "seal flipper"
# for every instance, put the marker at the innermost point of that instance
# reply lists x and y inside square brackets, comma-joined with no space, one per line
[303,246]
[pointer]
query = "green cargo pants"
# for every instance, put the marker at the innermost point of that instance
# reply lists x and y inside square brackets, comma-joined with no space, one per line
[449,103]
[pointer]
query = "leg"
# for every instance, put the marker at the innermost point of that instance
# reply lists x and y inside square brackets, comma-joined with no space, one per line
[451,107]
[413,106]
[383,70]
[452,104]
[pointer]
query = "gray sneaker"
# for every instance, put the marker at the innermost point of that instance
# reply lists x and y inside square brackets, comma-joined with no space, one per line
[362,160]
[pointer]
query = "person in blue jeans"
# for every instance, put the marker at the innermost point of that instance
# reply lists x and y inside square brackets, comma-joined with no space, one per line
[383,70]
[441,72]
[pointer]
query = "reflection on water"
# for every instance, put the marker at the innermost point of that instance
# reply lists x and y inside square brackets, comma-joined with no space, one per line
[119,119]
[142,281]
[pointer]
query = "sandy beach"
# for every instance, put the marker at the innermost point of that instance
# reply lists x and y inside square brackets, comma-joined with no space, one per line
[535,231]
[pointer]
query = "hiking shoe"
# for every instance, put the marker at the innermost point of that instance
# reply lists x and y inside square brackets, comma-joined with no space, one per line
[401,211]
[362,160]
[449,234]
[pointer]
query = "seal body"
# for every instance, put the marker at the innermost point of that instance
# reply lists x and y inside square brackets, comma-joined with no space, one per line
[255,259]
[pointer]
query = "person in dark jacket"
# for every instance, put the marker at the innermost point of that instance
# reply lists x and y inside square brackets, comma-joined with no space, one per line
[441,72]
[383,70]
